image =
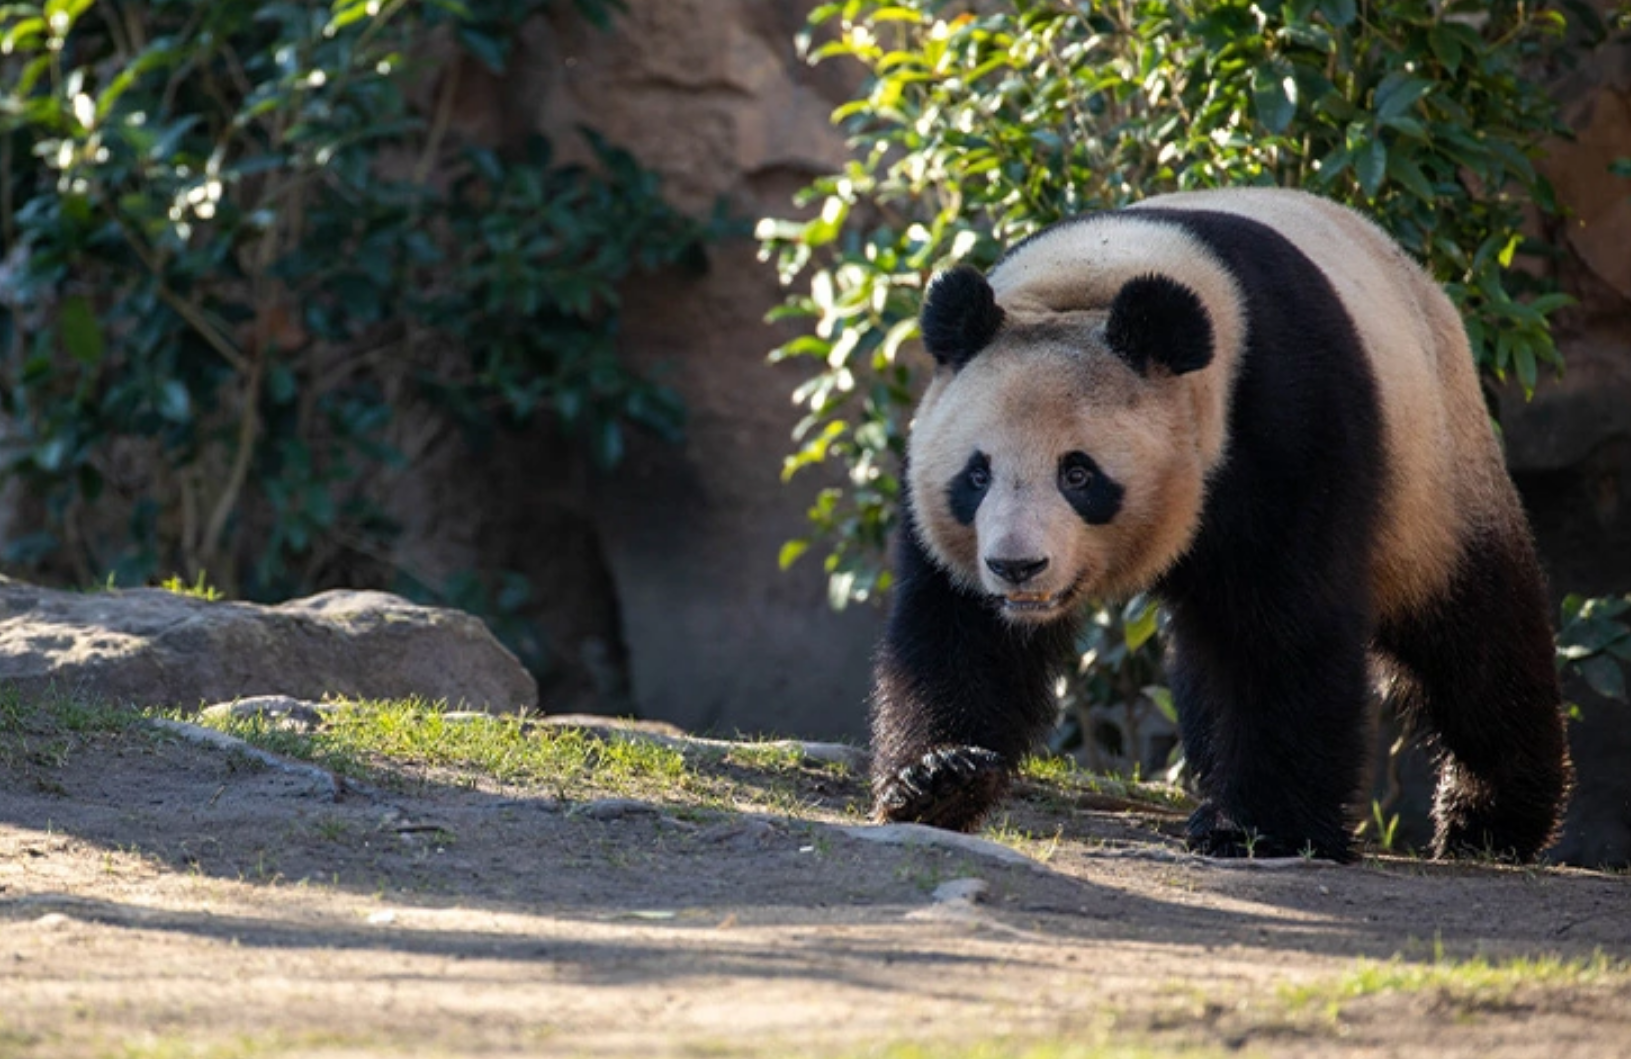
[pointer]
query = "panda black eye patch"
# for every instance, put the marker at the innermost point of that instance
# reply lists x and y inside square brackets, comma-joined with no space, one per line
[1095,495]
[968,488]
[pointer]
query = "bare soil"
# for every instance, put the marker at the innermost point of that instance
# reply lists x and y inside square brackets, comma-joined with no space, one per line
[160,898]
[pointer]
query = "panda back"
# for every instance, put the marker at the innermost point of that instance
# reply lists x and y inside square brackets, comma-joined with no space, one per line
[1445,478]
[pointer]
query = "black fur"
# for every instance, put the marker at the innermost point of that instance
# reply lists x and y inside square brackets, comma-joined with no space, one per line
[1270,615]
[954,678]
[1098,501]
[1157,320]
[952,787]
[964,492]
[960,316]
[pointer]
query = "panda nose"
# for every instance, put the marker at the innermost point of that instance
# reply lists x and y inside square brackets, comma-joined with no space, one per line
[1016,571]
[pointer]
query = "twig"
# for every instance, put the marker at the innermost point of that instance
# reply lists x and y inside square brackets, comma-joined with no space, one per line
[248,427]
[439,125]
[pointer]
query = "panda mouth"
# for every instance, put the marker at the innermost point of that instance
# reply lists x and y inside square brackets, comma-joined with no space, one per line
[1032,601]
[1040,602]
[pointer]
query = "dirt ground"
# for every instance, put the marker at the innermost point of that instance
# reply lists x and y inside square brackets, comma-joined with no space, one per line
[160,898]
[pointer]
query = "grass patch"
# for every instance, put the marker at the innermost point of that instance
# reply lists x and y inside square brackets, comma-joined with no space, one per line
[56,713]
[765,756]
[38,735]
[370,739]
[200,588]
[1066,779]
[1038,847]
[1465,984]
[403,741]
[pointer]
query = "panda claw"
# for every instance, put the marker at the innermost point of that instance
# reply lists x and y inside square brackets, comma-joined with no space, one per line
[951,787]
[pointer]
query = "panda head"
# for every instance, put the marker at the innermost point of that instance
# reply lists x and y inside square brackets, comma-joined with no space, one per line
[1054,455]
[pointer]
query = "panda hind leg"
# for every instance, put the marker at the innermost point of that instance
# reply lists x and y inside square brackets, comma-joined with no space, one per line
[1482,688]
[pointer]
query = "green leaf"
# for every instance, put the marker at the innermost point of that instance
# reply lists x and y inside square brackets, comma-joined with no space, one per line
[1162,697]
[1510,249]
[1141,626]
[1404,170]
[1370,166]
[790,553]
[1446,47]
[174,403]
[1274,95]
[1398,93]
[1604,676]
[1523,359]
[81,333]
[1339,12]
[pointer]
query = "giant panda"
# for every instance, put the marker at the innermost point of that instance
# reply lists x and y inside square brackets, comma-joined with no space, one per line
[1254,404]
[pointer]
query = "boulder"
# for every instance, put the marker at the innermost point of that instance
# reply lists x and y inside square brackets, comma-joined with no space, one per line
[161,648]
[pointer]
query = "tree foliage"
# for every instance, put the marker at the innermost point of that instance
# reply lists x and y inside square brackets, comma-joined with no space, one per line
[239,239]
[980,123]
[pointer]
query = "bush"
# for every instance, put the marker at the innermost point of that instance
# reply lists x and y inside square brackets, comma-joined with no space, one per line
[982,123]
[236,247]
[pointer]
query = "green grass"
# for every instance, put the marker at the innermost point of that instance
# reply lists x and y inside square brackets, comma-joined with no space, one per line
[1067,778]
[1038,847]
[38,735]
[1465,984]
[366,739]
[405,741]
[765,755]
[200,588]
[57,713]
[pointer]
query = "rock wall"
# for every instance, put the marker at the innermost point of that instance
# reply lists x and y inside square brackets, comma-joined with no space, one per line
[1570,447]
[711,94]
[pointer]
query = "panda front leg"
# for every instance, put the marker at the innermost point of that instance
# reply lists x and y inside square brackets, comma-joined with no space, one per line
[961,695]
[1275,722]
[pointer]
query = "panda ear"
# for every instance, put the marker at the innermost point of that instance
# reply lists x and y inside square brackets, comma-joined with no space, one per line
[960,316]
[1157,320]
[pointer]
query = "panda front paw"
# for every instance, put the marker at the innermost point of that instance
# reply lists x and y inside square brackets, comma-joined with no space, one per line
[951,787]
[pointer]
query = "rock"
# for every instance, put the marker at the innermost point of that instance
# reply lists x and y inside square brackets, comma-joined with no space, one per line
[965,891]
[1569,418]
[276,710]
[158,648]
[661,733]
[955,841]
[743,833]
[615,809]
[312,779]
